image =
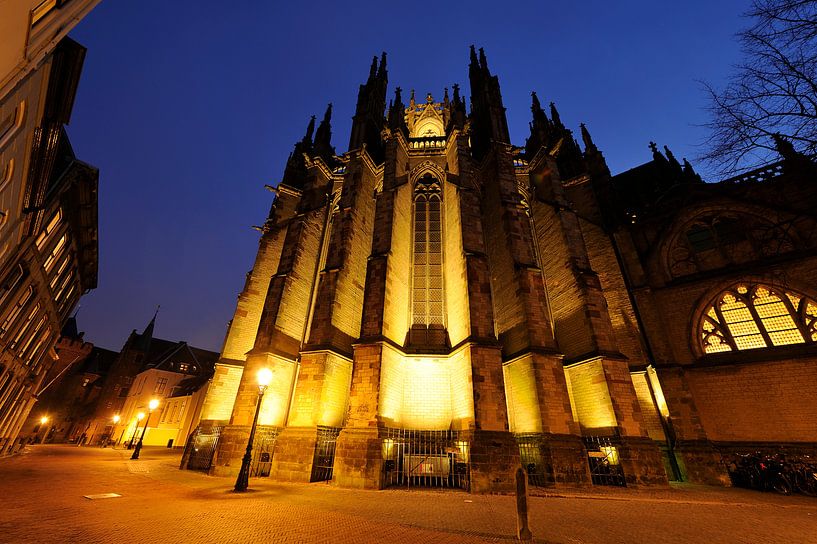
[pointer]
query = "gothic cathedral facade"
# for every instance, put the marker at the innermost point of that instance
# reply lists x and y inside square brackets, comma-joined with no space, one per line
[440,306]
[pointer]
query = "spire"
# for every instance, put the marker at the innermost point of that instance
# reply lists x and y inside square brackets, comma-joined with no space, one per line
[373,68]
[656,155]
[483,62]
[367,123]
[412,103]
[690,173]
[489,124]
[397,113]
[323,138]
[535,105]
[456,89]
[588,141]
[554,116]
[310,128]
[147,335]
[446,101]
[381,72]
[671,158]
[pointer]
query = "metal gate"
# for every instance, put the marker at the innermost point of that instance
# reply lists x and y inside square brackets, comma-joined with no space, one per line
[200,448]
[602,456]
[530,455]
[426,458]
[324,459]
[262,451]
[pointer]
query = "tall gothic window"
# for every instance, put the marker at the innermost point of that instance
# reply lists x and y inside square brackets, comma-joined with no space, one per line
[427,277]
[751,316]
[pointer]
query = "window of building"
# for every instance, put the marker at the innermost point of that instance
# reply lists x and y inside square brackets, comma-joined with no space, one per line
[43,8]
[15,311]
[11,123]
[161,383]
[55,253]
[752,316]
[49,229]
[10,283]
[8,171]
[181,410]
[427,276]
[184,367]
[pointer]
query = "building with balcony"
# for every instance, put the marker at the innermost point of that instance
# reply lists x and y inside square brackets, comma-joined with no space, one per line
[48,199]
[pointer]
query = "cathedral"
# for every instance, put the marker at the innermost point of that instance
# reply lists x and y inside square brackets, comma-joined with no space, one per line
[439,306]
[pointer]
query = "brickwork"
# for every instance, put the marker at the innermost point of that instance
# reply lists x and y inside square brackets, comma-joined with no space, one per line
[456,290]
[589,395]
[622,317]
[649,411]
[218,403]
[763,402]
[244,325]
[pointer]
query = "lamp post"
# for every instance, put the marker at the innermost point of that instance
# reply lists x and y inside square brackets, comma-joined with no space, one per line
[151,406]
[139,417]
[264,377]
[43,421]
[115,420]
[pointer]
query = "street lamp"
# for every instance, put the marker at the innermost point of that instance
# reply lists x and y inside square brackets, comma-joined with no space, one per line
[43,421]
[151,406]
[139,417]
[115,420]
[264,377]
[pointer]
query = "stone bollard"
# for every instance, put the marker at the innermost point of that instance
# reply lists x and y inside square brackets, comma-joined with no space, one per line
[522,530]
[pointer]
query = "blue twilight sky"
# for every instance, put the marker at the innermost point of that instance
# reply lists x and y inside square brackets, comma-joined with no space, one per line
[189,107]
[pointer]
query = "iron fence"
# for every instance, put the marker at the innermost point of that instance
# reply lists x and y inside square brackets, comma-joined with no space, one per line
[602,456]
[426,459]
[324,459]
[263,450]
[530,455]
[200,448]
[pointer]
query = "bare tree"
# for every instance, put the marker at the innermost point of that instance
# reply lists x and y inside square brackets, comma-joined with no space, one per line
[773,91]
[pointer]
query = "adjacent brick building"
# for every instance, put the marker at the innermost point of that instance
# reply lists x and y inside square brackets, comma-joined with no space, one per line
[48,200]
[438,306]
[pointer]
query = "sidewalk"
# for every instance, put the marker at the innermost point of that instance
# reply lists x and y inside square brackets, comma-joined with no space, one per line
[44,490]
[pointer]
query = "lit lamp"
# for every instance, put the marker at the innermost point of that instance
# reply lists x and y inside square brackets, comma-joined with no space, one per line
[43,421]
[115,420]
[264,377]
[139,417]
[151,406]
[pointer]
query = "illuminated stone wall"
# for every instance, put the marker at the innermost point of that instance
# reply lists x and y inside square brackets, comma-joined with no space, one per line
[218,404]
[589,395]
[572,329]
[622,317]
[456,291]
[244,325]
[520,392]
[419,392]
[649,410]
[764,402]
[397,302]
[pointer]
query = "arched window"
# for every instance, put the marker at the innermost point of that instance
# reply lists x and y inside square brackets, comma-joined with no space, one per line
[751,316]
[427,277]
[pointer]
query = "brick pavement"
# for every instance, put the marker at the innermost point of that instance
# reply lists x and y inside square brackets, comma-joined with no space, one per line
[43,502]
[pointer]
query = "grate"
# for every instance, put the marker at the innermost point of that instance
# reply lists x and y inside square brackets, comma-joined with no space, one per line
[426,459]
[324,458]
[602,456]
[530,455]
[200,448]
[263,450]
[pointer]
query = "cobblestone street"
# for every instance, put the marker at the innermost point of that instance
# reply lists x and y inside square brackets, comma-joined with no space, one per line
[44,487]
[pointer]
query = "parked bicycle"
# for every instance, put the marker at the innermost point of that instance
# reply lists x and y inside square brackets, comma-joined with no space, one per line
[774,473]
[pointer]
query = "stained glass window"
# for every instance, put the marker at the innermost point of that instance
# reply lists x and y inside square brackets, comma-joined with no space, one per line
[427,277]
[751,316]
